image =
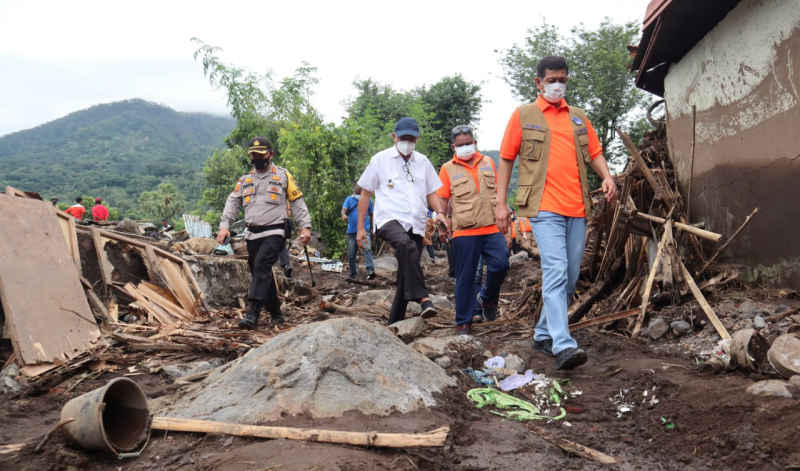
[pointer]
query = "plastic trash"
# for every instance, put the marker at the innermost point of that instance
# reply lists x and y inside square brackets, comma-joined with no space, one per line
[508,405]
[479,376]
[495,362]
[517,381]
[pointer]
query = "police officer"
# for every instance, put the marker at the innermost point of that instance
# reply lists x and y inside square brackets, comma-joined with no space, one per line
[264,193]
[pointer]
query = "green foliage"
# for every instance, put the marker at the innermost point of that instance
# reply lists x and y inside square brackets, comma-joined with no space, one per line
[114,151]
[165,202]
[599,80]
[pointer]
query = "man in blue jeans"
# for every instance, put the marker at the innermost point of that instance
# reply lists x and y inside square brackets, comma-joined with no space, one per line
[555,143]
[350,214]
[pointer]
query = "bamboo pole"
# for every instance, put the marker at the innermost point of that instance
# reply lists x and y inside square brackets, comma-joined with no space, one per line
[712,236]
[721,330]
[652,276]
[390,440]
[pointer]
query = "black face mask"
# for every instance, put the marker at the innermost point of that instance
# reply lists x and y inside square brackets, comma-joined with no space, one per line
[260,164]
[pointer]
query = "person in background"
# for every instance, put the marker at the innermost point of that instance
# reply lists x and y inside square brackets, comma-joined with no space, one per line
[430,228]
[76,210]
[350,215]
[405,184]
[555,143]
[54,201]
[166,226]
[99,212]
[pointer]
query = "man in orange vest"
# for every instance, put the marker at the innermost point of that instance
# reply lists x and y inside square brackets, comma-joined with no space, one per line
[76,210]
[468,182]
[555,143]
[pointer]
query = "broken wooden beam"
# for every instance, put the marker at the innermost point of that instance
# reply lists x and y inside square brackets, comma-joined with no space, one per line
[721,330]
[436,437]
[712,236]
[652,276]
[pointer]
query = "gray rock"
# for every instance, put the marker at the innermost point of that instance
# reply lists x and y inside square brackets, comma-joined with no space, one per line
[441,302]
[759,323]
[386,265]
[795,381]
[180,370]
[8,379]
[444,361]
[223,280]
[657,328]
[518,258]
[748,308]
[374,297]
[680,327]
[434,347]
[409,329]
[132,227]
[770,388]
[513,362]
[784,355]
[322,369]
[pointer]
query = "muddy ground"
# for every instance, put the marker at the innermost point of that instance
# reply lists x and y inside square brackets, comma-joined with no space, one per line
[716,424]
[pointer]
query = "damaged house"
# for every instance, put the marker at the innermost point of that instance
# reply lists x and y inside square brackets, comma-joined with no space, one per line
[729,72]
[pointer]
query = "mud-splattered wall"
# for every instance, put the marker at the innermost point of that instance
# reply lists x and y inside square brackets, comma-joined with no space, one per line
[744,79]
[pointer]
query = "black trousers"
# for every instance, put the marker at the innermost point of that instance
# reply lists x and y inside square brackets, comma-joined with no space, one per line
[410,280]
[261,255]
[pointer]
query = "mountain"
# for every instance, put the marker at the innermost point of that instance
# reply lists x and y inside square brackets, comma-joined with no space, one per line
[114,150]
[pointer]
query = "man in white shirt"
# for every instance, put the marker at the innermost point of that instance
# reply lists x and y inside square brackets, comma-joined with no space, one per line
[405,184]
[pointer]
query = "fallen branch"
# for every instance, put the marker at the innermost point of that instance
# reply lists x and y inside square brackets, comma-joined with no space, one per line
[574,448]
[391,440]
[604,319]
[658,191]
[727,242]
[721,330]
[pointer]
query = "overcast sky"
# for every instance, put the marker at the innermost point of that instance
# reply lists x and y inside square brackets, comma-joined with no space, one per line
[58,57]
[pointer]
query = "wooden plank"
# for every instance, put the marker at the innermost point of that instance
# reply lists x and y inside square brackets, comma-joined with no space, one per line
[95,301]
[45,307]
[698,295]
[162,316]
[187,270]
[599,320]
[67,224]
[106,269]
[176,283]
[712,236]
[156,298]
[651,277]
[435,438]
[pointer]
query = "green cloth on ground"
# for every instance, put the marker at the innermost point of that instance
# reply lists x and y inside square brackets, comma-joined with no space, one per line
[514,408]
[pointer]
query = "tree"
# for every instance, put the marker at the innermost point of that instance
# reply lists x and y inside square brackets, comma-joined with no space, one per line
[165,202]
[599,80]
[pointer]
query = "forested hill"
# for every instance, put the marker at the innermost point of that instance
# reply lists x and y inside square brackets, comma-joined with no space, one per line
[115,150]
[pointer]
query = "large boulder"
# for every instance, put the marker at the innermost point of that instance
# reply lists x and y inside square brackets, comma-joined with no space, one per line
[223,280]
[386,265]
[323,369]
[784,355]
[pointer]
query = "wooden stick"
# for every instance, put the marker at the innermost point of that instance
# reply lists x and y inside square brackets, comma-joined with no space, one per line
[391,440]
[691,166]
[782,315]
[652,276]
[712,236]
[94,300]
[574,448]
[99,249]
[721,330]
[727,242]
[604,319]
[648,174]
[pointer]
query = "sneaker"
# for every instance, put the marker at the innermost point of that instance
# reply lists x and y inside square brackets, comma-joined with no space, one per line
[477,318]
[463,329]
[489,310]
[371,276]
[427,310]
[543,346]
[570,358]
[250,320]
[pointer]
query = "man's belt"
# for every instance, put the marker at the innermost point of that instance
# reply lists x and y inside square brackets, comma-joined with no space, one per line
[271,227]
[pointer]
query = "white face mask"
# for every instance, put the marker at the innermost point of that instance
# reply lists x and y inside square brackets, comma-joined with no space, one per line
[465,152]
[405,147]
[554,92]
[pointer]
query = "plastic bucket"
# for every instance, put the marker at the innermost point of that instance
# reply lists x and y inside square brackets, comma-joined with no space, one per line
[114,418]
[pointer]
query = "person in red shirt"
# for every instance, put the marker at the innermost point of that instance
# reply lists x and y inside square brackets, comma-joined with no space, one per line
[556,143]
[468,185]
[76,210]
[99,212]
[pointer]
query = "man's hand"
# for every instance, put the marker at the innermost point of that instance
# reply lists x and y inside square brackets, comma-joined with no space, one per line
[344,217]
[222,234]
[361,237]
[305,236]
[502,216]
[443,223]
[609,188]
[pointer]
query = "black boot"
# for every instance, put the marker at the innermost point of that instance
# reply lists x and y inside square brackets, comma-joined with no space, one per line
[277,319]
[250,320]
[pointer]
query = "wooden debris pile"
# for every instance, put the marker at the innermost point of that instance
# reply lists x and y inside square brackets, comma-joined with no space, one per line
[644,243]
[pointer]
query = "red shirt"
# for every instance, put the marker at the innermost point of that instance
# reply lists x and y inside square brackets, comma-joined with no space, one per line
[99,212]
[76,210]
[562,188]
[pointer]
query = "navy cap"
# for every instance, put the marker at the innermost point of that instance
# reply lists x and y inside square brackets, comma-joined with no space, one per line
[406,127]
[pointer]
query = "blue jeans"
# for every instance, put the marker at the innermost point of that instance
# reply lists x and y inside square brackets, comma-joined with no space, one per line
[352,250]
[561,242]
[467,250]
